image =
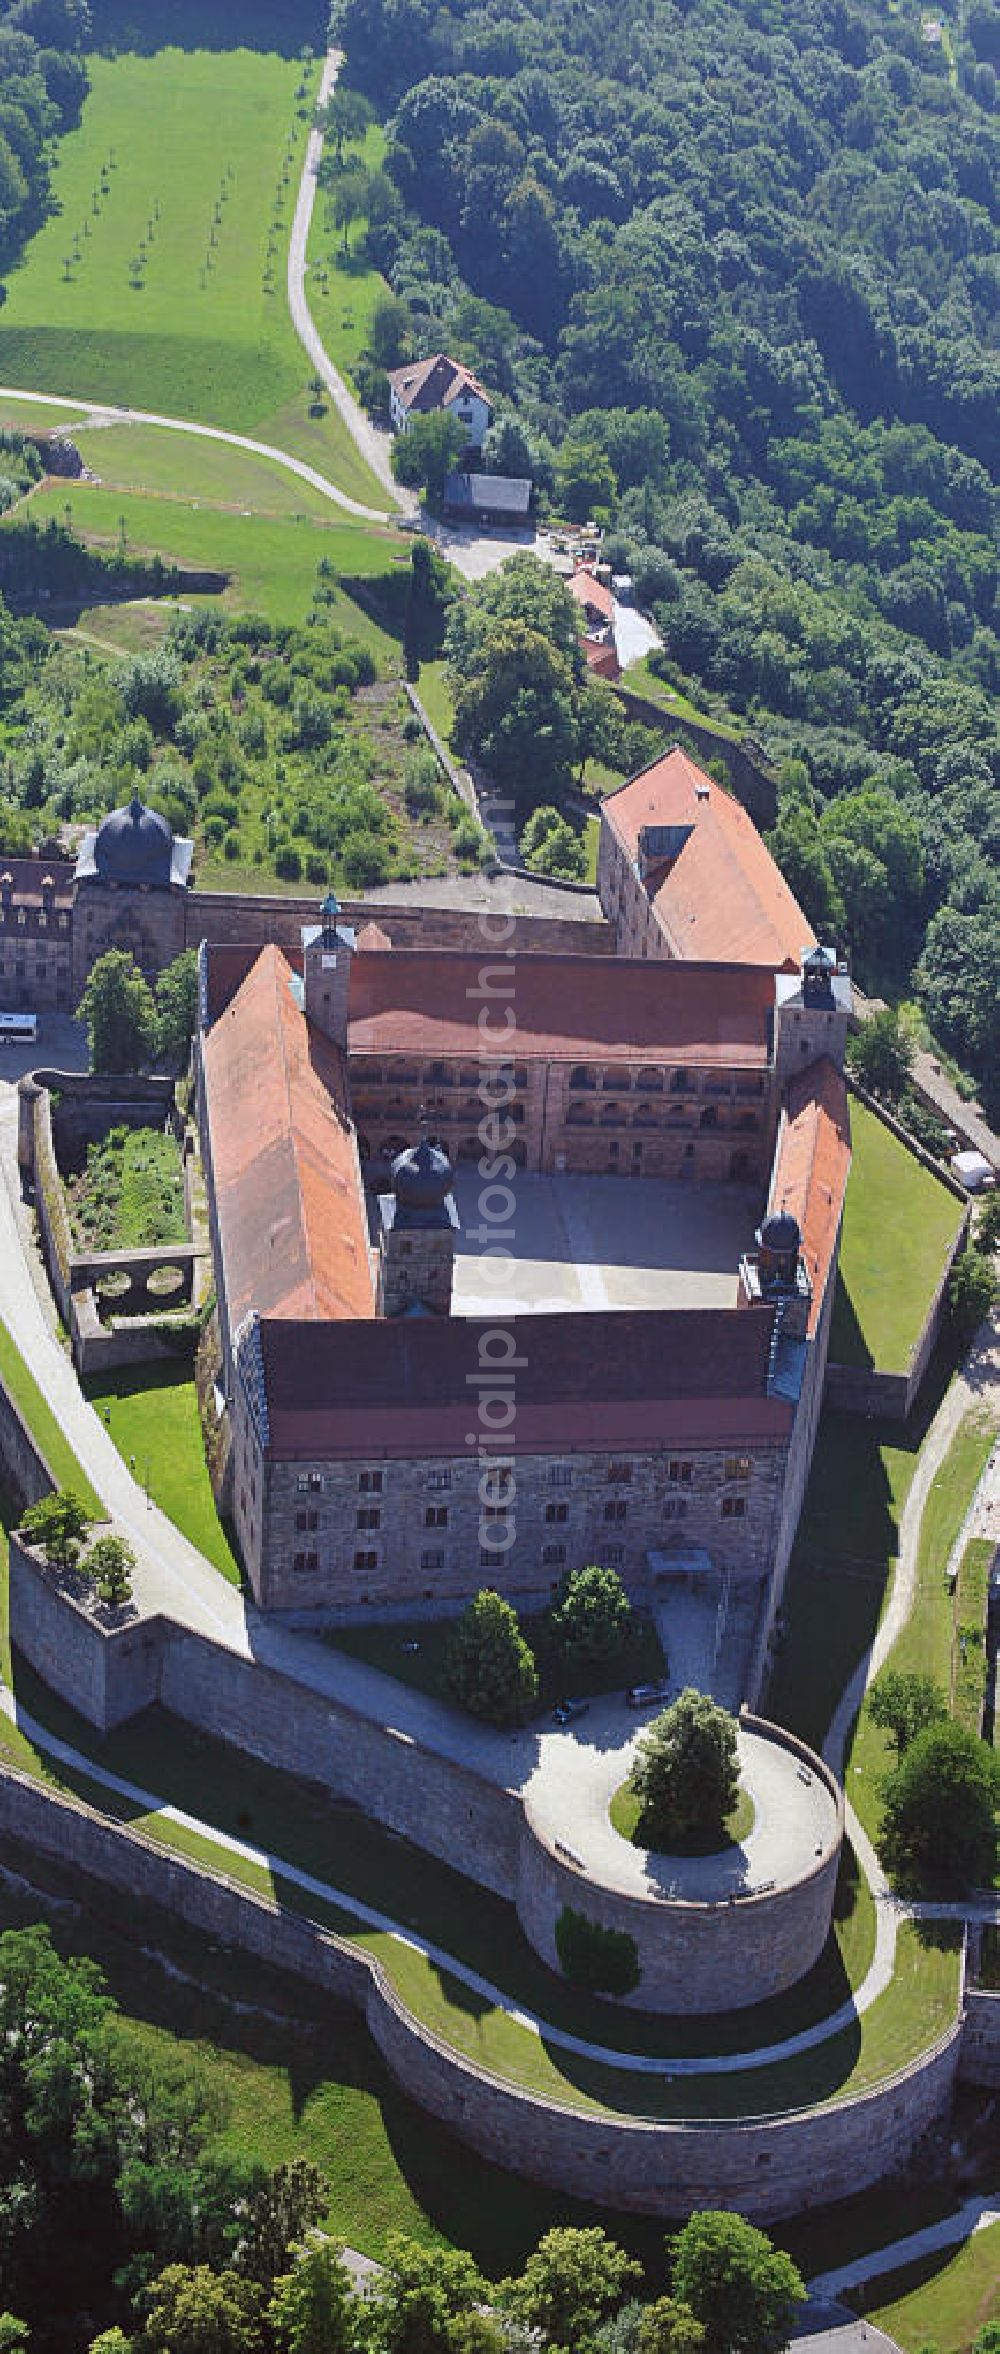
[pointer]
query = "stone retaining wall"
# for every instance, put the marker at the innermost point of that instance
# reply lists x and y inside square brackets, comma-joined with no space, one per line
[765,2166]
[24,1473]
[694,1957]
[980,2061]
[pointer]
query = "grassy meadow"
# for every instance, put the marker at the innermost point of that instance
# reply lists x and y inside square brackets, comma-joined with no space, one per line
[159,281]
[899,1225]
[271,560]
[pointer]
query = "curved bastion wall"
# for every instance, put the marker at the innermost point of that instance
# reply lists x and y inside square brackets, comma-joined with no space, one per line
[695,1956]
[764,2166]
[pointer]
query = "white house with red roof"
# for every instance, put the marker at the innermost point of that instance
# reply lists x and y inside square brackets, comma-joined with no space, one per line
[421,387]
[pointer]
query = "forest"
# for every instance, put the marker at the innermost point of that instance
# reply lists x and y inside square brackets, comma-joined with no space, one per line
[732,269]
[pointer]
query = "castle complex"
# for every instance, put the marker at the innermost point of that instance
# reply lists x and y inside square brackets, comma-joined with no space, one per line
[524,1224]
[457,1349]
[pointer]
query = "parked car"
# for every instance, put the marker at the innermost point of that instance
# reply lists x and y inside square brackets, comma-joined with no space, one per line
[646,1695]
[565,1710]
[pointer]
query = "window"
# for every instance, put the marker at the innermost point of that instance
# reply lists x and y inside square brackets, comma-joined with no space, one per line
[439,1479]
[553,1556]
[738,1466]
[436,1516]
[306,1520]
[614,1556]
[557,1512]
[675,1508]
[495,1511]
[369,1483]
[560,1475]
[432,1561]
[488,1560]
[619,1473]
[680,1473]
[734,1507]
[310,1483]
[305,1561]
[617,1510]
[366,1561]
[368,1516]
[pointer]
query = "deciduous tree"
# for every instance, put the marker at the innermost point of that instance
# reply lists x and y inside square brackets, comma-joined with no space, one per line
[744,2291]
[570,2285]
[686,1772]
[939,1815]
[904,1705]
[117,1006]
[490,1668]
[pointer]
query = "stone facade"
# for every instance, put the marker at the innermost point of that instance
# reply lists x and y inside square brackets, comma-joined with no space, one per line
[356,1537]
[587,1118]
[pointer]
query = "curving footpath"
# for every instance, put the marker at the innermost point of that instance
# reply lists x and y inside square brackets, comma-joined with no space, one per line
[103,413]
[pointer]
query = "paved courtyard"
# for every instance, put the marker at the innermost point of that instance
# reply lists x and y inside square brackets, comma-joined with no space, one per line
[599,1242]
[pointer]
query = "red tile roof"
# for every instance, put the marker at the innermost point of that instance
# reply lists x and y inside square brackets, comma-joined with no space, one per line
[288,1203]
[565,1008]
[722,895]
[811,1167]
[588,591]
[602,659]
[632,1378]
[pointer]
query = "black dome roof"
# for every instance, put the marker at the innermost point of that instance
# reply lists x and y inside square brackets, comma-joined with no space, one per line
[134,845]
[780,1233]
[422,1177]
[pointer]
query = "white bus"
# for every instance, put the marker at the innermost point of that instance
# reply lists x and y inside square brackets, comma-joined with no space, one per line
[18,1029]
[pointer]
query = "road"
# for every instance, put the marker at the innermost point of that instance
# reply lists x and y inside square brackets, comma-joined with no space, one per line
[372,446]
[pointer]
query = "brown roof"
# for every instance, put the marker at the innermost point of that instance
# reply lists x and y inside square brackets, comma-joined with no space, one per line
[28,874]
[721,894]
[602,659]
[811,1167]
[434,383]
[288,1203]
[565,1008]
[632,1378]
[588,591]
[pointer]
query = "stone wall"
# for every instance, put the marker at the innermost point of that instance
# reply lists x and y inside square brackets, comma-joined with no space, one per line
[24,1473]
[766,2167]
[107,1667]
[110,1672]
[980,2061]
[694,1957]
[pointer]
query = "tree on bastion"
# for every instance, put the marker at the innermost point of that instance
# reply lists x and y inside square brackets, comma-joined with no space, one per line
[686,1773]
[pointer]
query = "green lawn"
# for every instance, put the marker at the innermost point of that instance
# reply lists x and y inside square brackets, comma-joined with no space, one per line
[436,697]
[899,1225]
[341,290]
[643,680]
[130,1195]
[928,1640]
[271,561]
[164,144]
[23,1388]
[943,2302]
[152,1415]
[416,1653]
[968,1652]
[626,1808]
[179,465]
[843,1560]
[37,416]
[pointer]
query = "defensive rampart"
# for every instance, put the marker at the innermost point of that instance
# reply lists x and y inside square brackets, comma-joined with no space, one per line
[766,2166]
[695,1956]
